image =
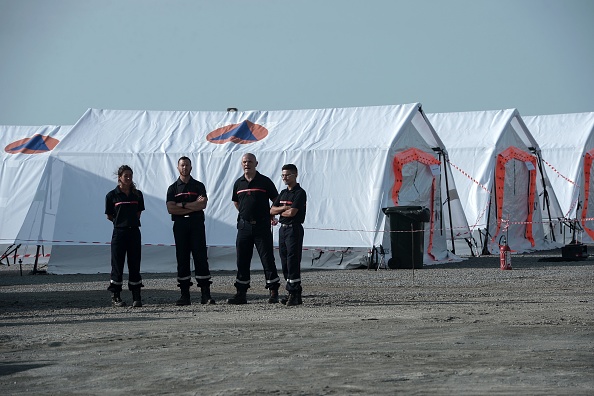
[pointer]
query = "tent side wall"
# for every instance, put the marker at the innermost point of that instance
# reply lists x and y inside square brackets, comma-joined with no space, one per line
[343,156]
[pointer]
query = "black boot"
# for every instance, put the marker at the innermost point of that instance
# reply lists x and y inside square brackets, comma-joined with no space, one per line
[206,298]
[185,296]
[137,301]
[284,300]
[294,299]
[116,300]
[293,290]
[273,299]
[239,298]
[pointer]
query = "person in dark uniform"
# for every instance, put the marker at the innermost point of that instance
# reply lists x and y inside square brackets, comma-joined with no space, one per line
[123,206]
[186,201]
[290,205]
[252,194]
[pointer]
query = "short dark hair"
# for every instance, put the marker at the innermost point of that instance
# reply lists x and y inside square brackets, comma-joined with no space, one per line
[290,167]
[185,159]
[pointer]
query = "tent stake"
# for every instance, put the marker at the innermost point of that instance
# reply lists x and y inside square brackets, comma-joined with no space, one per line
[413,252]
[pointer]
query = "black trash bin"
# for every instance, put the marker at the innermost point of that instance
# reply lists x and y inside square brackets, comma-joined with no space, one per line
[407,247]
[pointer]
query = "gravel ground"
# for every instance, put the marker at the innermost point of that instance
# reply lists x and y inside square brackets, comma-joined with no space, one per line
[464,328]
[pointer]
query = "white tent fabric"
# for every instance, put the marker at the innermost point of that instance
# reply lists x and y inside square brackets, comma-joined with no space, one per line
[24,155]
[345,160]
[565,141]
[491,149]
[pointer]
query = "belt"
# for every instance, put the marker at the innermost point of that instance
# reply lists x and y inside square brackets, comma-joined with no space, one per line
[286,225]
[188,217]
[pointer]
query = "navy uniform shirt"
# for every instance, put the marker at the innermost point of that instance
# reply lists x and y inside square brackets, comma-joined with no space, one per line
[124,208]
[295,198]
[186,192]
[253,197]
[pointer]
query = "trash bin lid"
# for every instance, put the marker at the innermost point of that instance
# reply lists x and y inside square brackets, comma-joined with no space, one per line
[418,213]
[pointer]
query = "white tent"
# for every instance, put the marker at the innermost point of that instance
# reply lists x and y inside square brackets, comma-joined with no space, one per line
[498,172]
[346,159]
[24,155]
[567,143]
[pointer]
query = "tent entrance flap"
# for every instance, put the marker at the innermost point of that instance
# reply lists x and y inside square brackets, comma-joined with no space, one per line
[416,155]
[509,154]
[587,205]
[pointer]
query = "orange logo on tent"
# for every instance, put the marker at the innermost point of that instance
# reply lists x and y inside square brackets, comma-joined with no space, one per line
[37,144]
[244,133]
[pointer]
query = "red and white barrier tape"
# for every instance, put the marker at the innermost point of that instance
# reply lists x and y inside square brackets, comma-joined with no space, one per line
[506,223]
[560,174]
[469,176]
[574,203]
[473,227]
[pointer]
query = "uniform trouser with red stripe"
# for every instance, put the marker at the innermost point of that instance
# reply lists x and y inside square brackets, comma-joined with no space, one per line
[290,246]
[259,235]
[190,239]
[125,243]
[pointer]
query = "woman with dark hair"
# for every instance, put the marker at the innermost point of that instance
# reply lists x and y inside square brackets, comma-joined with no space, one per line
[123,206]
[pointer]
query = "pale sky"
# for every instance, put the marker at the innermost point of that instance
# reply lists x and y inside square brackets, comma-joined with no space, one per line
[60,57]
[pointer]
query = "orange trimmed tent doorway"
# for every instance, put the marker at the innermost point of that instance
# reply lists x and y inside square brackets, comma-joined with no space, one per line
[587,212]
[514,198]
[425,196]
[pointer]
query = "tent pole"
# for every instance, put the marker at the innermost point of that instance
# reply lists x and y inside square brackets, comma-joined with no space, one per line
[448,201]
[486,242]
[35,270]
[545,193]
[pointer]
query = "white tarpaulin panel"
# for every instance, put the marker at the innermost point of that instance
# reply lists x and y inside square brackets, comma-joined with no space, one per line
[344,157]
[479,142]
[565,139]
[24,155]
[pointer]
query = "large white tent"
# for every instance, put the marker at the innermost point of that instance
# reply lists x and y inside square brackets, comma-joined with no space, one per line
[567,144]
[498,172]
[349,161]
[24,155]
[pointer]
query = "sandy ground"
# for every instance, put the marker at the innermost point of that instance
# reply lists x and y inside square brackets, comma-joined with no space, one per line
[462,328]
